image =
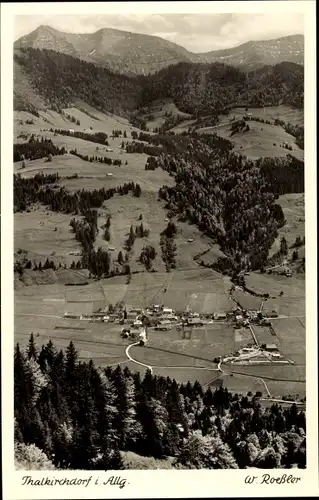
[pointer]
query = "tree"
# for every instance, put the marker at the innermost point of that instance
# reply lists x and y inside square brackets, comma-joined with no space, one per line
[125,422]
[107,235]
[199,452]
[295,255]
[283,246]
[108,222]
[31,349]
[120,258]
[30,457]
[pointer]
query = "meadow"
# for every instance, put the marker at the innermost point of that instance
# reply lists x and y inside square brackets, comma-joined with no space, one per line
[261,140]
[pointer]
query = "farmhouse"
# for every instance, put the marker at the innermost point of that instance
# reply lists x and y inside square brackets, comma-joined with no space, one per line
[137,323]
[167,310]
[271,347]
[219,316]
[272,314]
[194,315]
[71,315]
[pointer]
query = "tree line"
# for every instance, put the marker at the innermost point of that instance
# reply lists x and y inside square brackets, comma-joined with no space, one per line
[168,246]
[96,137]
[28,191]
[97,261]
[35,149]
[81,416]
[97,159]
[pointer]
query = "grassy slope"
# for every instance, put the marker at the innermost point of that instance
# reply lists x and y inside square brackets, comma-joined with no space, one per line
[260,140]
[39,237]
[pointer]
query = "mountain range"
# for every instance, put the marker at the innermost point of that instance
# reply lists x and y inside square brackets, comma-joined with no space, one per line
[133,53]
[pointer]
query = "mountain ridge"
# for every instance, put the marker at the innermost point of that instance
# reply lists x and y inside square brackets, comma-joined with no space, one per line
[135,53]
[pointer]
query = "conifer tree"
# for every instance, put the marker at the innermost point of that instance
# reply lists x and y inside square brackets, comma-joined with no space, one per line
[31,349]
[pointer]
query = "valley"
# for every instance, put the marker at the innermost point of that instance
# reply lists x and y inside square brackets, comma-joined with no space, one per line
[159,252]
[43,234]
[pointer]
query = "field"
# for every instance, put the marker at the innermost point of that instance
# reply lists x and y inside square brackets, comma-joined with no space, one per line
[271,113]
[264,335]
[35,232]
[261,140]
[40,310]
[246,300]
[274,284]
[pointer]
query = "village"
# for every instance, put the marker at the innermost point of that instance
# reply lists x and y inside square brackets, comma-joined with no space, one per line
[136,324]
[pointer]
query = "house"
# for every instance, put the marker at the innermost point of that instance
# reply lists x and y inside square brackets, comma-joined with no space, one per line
[71,131]
[137,323]
[109,174]
[109,150]
[136,310]
[271,347]
[219,316]
[194,315]
[190,240]
[167,310]
[70,315]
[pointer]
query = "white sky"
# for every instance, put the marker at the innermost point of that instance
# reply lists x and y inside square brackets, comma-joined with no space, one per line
[195,32]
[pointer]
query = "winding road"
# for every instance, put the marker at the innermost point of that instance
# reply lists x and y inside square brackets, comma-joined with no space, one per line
[127,352]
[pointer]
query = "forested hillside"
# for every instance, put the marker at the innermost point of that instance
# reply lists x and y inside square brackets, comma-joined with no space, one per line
[62,80]
[205,89]
[198,89]
[230,198]
[82,416]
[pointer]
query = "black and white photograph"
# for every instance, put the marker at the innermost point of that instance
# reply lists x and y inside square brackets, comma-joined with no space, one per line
[159,242]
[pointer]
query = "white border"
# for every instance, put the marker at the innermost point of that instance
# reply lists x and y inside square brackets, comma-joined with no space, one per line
[156,484]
